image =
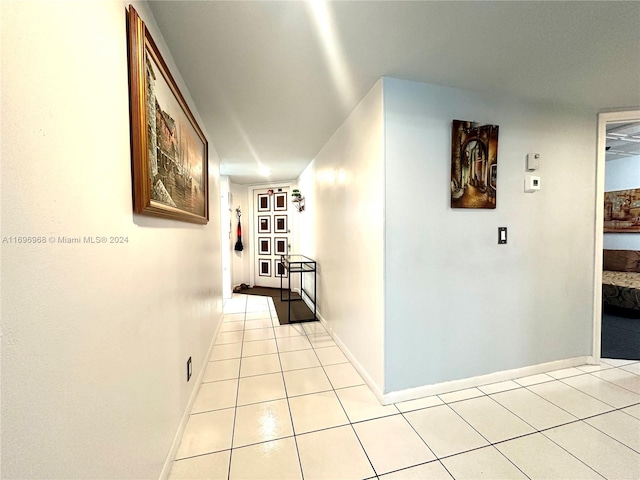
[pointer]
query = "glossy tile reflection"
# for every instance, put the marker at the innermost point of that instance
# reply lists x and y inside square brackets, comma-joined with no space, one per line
[283,402]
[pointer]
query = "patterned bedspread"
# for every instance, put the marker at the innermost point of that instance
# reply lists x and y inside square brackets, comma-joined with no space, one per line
[621,289]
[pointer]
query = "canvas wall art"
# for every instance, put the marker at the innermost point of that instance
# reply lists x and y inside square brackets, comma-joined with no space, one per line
[474,165]
[169,150]
[622,211]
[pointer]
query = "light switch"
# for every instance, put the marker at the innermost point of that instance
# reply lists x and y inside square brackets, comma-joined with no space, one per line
[533,161]
[502,235]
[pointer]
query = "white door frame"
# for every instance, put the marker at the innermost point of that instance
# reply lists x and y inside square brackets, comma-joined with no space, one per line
[603,119]
[252,236]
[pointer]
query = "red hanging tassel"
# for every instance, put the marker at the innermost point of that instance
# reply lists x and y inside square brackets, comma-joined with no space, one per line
[239,247]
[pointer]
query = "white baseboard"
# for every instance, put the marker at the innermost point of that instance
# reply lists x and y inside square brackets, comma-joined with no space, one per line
[375,388]
[168,463]
[445,387]
[307,299]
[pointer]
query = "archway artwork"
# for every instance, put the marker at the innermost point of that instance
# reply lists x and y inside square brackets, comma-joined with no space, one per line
[474,165]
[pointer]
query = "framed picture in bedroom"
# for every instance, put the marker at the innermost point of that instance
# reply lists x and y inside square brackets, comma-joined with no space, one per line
[474,165]
[169,152]
[622,211]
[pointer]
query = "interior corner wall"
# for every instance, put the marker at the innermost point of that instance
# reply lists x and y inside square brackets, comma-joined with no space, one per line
[342,229]
[225,235]
[240,261]
[457,304]
[622,174]
[95,337]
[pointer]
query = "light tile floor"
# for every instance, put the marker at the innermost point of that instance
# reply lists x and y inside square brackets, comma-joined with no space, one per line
[283,402]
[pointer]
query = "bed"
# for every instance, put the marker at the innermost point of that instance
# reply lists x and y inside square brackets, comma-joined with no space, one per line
[621,280]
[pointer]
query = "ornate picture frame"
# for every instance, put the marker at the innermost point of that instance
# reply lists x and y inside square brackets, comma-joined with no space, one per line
[474,165]
[169,152]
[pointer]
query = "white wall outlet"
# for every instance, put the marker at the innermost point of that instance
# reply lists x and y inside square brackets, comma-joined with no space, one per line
[531,183]
[533,161]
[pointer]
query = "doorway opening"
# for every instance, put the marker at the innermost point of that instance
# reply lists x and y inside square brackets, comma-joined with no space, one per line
[618,155]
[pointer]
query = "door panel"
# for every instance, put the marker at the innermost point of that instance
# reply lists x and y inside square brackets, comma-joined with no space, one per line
[272,234]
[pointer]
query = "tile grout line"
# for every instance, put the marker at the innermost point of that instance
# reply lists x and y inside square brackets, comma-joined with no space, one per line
[235,410]
[578,419]
[208,411]
[334,390]
[425,442]
[543,433]
[592,396]
[607,434]
[286,393]
[546,400]
[489,441]
[614,383]
[483,394]
[375,473]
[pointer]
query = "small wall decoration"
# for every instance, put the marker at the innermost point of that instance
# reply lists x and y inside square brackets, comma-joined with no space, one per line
[622,211]
[280,224]
[264,245]
[238,247]
[264,267]
[264,224]
[264,202]
[279,270]
[280,245]
[474,165]
[169,152]
[298,200]
[280,202]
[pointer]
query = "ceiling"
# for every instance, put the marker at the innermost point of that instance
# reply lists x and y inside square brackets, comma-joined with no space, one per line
[273,81]
[623,140]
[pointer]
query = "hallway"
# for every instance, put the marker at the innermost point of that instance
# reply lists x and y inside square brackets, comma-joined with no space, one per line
[284,402]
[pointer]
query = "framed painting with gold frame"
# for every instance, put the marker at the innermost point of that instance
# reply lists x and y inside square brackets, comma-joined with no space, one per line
[169,152]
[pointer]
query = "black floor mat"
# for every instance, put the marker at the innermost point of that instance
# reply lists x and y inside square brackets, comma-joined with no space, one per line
[300,312]
[620,337]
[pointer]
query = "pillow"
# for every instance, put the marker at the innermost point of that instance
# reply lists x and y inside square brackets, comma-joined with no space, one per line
[621,260]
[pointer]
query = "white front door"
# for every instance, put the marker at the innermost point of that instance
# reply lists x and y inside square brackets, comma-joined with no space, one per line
[272,232]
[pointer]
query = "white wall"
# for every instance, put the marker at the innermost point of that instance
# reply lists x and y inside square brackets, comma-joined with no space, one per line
[226,215]
[240,261]
[95,337]
[622,174]
[342,229]
[458,304]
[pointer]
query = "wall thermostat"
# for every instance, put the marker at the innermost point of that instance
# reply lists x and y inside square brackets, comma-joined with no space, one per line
[531,183]
[533,161]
